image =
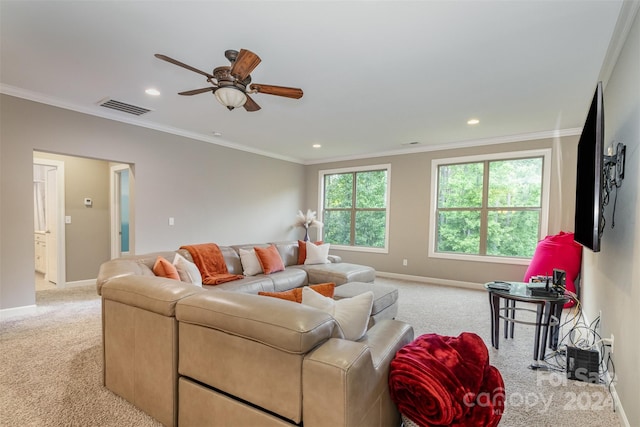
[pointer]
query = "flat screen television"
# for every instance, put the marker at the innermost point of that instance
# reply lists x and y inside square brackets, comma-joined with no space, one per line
[589,180]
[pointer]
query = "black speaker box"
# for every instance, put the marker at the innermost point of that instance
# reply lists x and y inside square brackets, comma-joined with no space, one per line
[583,365]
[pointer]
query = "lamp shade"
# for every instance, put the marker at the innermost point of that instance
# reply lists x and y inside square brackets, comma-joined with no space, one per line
[230,97]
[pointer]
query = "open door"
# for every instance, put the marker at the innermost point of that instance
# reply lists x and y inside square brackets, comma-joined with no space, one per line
[122,233]
[54,223]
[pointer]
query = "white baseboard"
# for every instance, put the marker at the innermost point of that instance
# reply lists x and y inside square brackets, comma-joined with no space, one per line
[432,280]
[622,416]
[78,283]
[8,313]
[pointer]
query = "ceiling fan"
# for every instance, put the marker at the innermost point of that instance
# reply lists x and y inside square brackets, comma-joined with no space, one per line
[232,85]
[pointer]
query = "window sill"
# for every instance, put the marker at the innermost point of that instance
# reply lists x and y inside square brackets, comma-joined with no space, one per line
[481,258]
[360,249]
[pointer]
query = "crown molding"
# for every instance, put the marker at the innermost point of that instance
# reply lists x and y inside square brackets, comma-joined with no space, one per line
[559,133]
[40,98]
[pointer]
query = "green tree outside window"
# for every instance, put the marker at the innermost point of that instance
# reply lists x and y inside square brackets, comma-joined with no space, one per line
[355,208]
[490,207]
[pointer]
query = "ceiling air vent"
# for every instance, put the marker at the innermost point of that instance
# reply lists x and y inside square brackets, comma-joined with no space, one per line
[123,106]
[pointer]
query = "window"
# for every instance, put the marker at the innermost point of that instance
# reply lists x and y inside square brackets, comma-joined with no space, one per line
[490,206]
[355,207]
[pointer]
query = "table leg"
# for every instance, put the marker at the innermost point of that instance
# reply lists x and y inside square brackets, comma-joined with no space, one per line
[548,310]
[494,302]
[536,343]
[555,331]
[512,315]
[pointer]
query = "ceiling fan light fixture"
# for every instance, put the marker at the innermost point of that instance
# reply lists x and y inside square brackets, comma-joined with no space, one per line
[230,97]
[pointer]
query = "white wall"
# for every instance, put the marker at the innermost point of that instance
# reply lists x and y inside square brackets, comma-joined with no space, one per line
[410,211]
[611,279]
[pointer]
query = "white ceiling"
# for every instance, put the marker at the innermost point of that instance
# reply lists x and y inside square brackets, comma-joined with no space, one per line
[376,75]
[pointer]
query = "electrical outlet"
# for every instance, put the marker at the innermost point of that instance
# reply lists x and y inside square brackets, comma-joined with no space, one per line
[611,343]
[404,262]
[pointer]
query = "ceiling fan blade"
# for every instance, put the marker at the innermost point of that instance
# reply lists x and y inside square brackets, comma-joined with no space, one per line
[198,91]
[289,92]
[244,64]
[183,65]
[251,105]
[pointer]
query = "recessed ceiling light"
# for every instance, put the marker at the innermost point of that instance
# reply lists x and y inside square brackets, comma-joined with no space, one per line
[217,134]
[473,121]
[152,91]
[316,145]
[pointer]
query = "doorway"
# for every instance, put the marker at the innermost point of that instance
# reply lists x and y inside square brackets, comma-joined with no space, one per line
[49,238]
[86,242]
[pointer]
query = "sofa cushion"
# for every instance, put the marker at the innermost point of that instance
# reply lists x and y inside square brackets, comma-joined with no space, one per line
[295,295]
[289,278]
[247,285]
[250,262]
[352,314]
[270,259]
[288,251]
[164,268]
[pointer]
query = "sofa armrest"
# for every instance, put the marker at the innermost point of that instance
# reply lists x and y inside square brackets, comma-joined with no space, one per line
[119,268]
[345,383]
[151,293]
[334,258]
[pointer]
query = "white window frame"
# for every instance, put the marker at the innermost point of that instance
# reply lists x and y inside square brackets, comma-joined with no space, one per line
[544,202]
[321,175]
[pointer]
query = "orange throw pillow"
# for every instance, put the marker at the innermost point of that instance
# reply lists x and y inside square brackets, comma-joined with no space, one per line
[302,250]
[269,259]
[289,295]
[164,268]
[295,295]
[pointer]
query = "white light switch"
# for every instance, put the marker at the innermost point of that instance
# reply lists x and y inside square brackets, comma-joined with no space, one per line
[67,219]
[171,220]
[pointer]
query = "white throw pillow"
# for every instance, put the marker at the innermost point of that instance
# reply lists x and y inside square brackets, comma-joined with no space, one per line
[187,270]
[352,314]
[250,262]
[317,254]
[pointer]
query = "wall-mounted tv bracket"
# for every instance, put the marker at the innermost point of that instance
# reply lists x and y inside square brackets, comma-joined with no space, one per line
[612,176]
[614,167]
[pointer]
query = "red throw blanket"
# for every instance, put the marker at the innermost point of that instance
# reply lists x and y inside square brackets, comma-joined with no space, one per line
[447,381]
[209,260]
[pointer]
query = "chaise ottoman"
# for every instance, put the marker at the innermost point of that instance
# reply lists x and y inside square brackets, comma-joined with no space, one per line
[339,273]
[385,298]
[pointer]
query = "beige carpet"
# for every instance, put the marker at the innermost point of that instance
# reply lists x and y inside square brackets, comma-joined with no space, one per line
[50,363]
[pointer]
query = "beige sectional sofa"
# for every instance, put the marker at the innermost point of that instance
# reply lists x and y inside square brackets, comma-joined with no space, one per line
[225,356]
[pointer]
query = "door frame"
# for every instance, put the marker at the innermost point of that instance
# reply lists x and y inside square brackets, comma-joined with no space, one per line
[114,192]
[60,247]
